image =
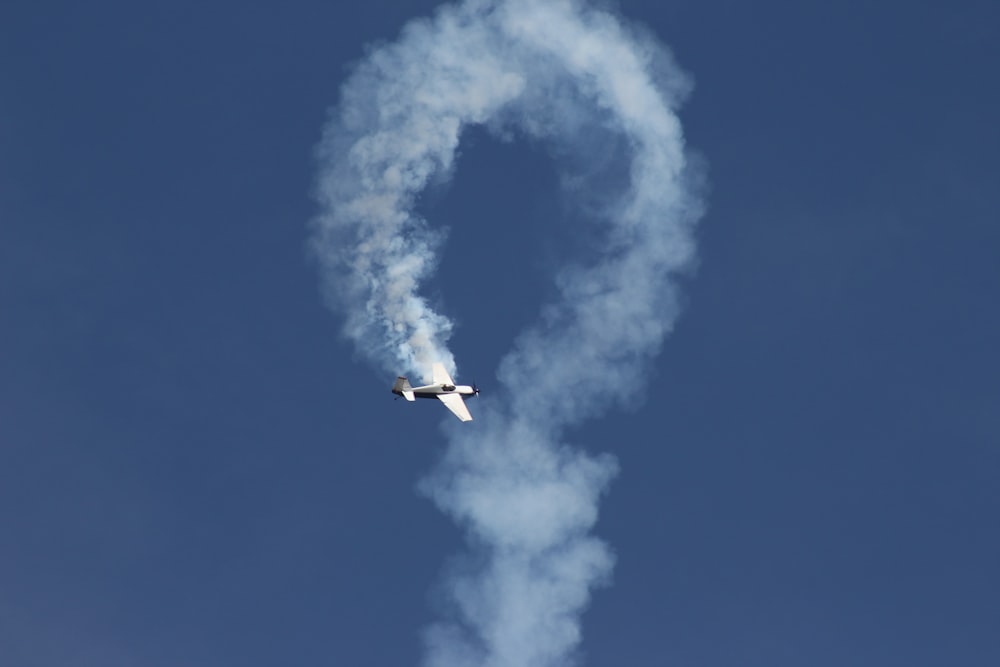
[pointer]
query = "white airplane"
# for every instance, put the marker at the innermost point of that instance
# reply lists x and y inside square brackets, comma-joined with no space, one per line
[443,388]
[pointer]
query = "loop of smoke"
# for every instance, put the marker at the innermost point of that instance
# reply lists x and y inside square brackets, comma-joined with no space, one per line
[559,72]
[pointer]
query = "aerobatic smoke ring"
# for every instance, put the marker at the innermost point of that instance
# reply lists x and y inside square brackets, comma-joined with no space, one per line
[553,70]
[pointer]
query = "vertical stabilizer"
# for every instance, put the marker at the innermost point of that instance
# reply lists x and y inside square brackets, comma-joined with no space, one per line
[403,388]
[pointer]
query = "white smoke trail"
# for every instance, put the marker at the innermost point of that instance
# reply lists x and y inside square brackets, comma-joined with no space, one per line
[582,81]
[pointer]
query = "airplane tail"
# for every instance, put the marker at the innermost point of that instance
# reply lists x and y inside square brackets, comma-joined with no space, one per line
[403,388]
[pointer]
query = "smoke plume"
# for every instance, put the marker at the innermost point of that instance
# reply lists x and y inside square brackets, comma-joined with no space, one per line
[602,95]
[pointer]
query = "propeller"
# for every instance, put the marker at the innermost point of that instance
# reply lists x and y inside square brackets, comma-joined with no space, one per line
[475,388]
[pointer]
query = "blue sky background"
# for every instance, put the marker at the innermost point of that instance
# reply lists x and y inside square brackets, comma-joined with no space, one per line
[195,469]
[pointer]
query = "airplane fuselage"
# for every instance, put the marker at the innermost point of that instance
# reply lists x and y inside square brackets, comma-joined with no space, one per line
[433,390]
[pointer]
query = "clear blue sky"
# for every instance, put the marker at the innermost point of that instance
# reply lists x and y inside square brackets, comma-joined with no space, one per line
[195,469]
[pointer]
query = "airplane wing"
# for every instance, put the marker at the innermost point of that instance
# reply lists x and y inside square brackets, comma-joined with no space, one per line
[440,375]
[455,403]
